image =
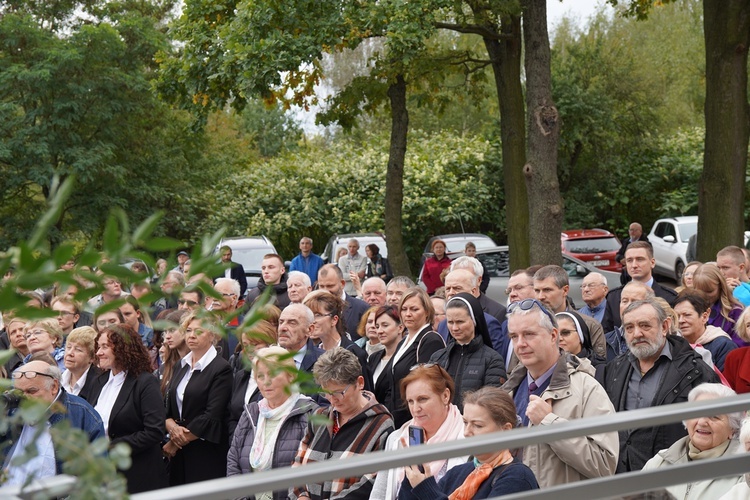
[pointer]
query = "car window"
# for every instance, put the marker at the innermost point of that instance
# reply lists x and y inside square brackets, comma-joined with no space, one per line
[669,230]
[660,229]
[571,267]
[496,263]
[251,258]
[594,245]
[687,229]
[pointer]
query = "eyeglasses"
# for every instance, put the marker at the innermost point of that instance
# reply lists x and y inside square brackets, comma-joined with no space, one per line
[422,365]
[30,375]
[35,333]
[229,294]
[64,313]
[335,394]
[190,303]
[516,288]
[591,285]
[318,316]
[528,304]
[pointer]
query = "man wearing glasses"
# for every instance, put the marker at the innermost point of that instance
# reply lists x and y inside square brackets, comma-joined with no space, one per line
[550,387]
[594,290]
[40,381]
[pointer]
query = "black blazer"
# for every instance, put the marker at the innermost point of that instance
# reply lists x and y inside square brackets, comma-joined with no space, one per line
[205,414]
[237,273]
[382,389]
[137,419]
[362,357]
[237,401]
[612,317]
[93,385]
[428,342]
[353,311]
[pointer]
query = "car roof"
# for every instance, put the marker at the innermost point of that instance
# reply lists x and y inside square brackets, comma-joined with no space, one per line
[246,242]
[576,234]
[460,236]
[348,236]
[680,218]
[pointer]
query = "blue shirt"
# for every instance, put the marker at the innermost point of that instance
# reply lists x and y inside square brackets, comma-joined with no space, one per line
[309,265]
[596,312]
[742,293]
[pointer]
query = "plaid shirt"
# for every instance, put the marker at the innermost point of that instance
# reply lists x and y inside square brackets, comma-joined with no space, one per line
[366,432]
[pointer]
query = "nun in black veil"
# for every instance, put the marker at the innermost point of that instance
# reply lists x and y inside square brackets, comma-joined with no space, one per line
[469,357]
[575,337]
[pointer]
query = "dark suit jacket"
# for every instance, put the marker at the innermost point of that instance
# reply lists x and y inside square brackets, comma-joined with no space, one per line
[353,312]
[362,357]
[237,273]
[205,413]
[612,312]
[492,307]
[237,401]
[137,419]
[93,386]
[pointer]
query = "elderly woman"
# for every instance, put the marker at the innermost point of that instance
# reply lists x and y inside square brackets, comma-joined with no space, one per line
[14,328]
[434,265]
[725,309]
[692,309]
[80,372]
[469,357]
[428,391]
[270,430]
[354,424]
[245,389]
[130,404]
[741,490]
[575,337]
[489,475]
[708,437]
[197,407]
[737,362]
[367,332]
[45,335]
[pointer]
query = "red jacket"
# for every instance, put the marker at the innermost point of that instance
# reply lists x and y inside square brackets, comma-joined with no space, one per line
[737,369]
[431,272]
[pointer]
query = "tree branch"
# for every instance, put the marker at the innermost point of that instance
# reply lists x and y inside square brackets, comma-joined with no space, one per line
[473,29]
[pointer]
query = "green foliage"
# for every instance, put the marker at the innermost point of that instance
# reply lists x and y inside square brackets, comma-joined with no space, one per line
[322,190]
[271,129]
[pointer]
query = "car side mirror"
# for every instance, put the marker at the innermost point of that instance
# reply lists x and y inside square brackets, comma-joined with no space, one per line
[580,270]
[669,239]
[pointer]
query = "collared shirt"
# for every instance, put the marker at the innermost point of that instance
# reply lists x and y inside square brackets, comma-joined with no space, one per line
[108,396]
[300,355]
[356,264]
[596,312]
[40,466]
[406,345]
[642,388]
[522,394]
[75,389]
[199,366]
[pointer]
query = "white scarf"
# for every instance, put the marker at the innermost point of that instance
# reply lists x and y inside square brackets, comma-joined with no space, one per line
[261,453]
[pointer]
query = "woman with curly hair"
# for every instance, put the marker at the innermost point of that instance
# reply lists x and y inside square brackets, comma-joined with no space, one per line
[130,404]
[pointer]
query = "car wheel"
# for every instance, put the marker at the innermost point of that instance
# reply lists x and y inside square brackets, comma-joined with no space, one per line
[679,268]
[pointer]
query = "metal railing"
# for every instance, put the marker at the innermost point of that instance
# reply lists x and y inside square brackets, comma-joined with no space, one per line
[606,487]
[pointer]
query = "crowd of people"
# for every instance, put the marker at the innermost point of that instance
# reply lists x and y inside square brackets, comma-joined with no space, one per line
[392,365]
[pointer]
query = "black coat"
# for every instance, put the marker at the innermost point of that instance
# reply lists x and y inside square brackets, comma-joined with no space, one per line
[384,385]
[205,414]
[362,357]
[237,402]
[612,311]
[93,385]
[353,311]
[137,419]
[426,343]
[492,307]
[685,371]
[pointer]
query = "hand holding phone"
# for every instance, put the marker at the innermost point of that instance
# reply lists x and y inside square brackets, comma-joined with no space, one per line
[416,437]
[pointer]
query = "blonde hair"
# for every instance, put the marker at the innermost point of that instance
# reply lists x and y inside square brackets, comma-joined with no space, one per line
[84,336]
[708,276]
[50,326]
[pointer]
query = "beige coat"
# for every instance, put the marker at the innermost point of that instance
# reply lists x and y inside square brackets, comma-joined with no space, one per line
[573,393]
[701,490]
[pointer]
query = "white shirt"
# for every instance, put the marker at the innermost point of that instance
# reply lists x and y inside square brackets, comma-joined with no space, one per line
[74,389]
[251,386]
[406,345]
[108,396]
[42,465]
[200,365]
[300,356]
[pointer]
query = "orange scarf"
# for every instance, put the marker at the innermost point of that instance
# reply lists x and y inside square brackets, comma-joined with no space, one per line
[478,476]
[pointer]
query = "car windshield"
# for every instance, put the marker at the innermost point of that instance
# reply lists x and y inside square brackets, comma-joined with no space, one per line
[687,229]
[250,258]
[459,245]
[496,263]
[594,245]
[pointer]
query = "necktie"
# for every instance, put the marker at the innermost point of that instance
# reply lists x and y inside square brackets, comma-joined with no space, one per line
[533,387]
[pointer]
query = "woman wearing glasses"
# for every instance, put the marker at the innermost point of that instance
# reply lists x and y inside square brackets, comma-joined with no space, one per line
[44,335]
[130,404]
[469,357]
[79,377]
[197,407]
[428,391]
[356,424]
[575,337]
[270,430]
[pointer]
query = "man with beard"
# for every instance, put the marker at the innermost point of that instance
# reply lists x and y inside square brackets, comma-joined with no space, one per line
[658,369]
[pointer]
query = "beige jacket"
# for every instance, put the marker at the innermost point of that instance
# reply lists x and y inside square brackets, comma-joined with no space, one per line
[700,490]
[573,393]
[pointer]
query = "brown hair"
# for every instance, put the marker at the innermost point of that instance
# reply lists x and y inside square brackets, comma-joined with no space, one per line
[496,401]
[127,346]
[324,301]
[642,244]
[362,326]
[433,374]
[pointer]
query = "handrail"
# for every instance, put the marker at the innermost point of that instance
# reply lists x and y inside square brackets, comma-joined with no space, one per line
[276,479]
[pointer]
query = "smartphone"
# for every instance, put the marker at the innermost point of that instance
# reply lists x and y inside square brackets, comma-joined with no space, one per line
[416,437]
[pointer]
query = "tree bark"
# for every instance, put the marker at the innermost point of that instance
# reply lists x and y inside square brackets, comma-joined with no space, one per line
[721,194]
[543,129]
[394,179]
[505,55]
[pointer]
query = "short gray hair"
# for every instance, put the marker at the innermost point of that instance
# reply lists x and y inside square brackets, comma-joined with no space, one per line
[545,321]
[307,313]
[233,283]
[401,280]
[638,284]
[307,239]
[337,365]
[556,272]
[599,277]
[469,263]
[299,274]
[745,431]
[176,276]
[661,314]
[375,280]
[717,391]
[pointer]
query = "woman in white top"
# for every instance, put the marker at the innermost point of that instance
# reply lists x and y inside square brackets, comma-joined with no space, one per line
[428,392]
[130,405]
[80,372]
[390,331]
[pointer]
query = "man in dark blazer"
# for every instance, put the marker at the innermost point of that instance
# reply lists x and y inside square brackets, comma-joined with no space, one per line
[235,271]
[639,259]
[635,233]
[331,278]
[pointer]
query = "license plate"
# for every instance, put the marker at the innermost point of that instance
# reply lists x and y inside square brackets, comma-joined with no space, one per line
[599,263]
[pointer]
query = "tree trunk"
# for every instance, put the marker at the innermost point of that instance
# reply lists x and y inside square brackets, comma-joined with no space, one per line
[721,195]
[543,129]
[394,178]
[506,65]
